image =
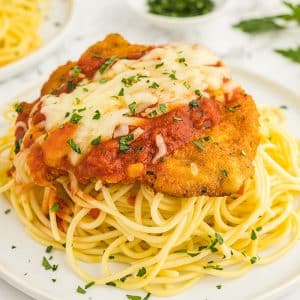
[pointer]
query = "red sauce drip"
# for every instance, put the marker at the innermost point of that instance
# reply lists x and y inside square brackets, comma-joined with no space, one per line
[178,127]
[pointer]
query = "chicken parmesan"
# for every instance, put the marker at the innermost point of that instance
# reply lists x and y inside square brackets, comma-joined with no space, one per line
[167,116]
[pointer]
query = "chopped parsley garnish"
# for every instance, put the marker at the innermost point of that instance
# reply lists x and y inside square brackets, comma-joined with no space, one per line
[207,138]
[152,113]
[129,81]
[193,254]
[76,71]
[80,290]
[111,283]
[48,266]
[163,108]
[107,63]
[123,143]
[55,207]
[7,211]
[159,65]
[71,87]
[215,267]
[18,144]
[81,109]
[75,118]
[218,240]
[233,108]
[67,114]
[181,60]
[147,296]
[74,146]
[187,85]
[121,92]
[173,75]
[283,107]
[219,286]
[253,235]
[123,279]
[18,108]
[53,280]
[181,251]
[154,85]
[85,89]
[198,93]
[177,119]
[142,271]
[13,247]
[49,249]
[133,297]
[193,104]
[111,257]
[90,284]
[199,144]
[224,173]
[103,80]
[97,115]
[253,260]
[96,141]
[138,149]
[259,228]
[78,100]
[132,107]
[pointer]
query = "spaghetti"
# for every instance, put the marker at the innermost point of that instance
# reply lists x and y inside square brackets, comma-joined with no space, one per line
[20,22]
[166,244]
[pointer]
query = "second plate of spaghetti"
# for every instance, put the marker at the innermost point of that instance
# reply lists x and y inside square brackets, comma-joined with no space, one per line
[134,226]
[31,30]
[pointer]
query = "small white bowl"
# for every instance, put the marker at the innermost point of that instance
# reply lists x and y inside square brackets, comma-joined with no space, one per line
[141,7]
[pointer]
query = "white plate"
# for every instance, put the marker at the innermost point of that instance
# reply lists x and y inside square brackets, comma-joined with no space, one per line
[54,29]
[262,282]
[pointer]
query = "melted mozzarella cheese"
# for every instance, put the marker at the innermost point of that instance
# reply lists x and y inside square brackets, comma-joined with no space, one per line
[168,75]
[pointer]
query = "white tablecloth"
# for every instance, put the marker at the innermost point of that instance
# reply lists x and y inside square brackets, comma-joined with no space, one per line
[95,18]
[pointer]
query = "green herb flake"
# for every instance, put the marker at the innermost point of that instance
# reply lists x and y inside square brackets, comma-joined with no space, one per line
[154,85]
[103,80]
[80,290]
[159,65]
[152,113]
[193,104]
[142,271]
[199,144]
[71,87]
[123,143]
[219,238]
[46,264]
[138,149]
[163,108]
[107,63]
[198,93]
[147,296]
[74,146]
[129,81]
[219,286]
[97,115]
[133,297]
[123,279]
[253,235]
[193,254]
[181,60]
[291,54]
[55,207]
[18,108]
[7,211]
[181,251]
[53,280]
[96,141]
[75,118]
[76,71]
[85,89]
[49,249]
[215,267]
[186,85]
[111,283]
[90,284]
[132,107]
[253,260]
[121,92]
[173,75]
[207,138]
[259,229]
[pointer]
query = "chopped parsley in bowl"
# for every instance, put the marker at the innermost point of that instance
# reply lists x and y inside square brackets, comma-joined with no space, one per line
[180,8]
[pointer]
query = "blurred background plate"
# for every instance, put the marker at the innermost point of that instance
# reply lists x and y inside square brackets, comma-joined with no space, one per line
[54,29]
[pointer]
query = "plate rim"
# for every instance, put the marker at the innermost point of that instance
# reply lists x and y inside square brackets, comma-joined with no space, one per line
[17,282]
[17,67]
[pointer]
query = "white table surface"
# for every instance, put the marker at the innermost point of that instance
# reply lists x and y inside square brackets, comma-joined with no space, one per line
[95,18]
